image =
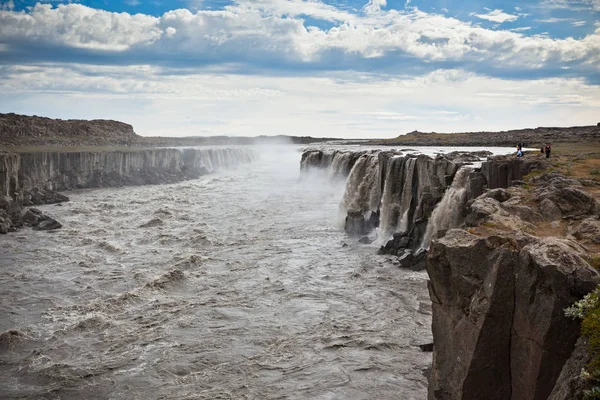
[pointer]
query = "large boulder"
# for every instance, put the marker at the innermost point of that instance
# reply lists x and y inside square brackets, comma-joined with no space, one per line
[588,229]
[48,224]
[498,322]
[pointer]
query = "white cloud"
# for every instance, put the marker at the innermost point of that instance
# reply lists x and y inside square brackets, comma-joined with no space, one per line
[259,30]
[578,23]
[133,3]
[553,20]
[498,16]
[374,6]
[521,29]
[575,5]
[158,102]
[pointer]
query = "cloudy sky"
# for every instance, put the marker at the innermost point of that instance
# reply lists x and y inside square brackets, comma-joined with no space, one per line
[345,68]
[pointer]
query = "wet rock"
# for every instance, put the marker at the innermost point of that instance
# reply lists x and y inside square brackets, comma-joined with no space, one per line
[498,323]
[5,225]
[427,347]
[32,216]
[48,224]
[357,225]
[38,196]
[365,240]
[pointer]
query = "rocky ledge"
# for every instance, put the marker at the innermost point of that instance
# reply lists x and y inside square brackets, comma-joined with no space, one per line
[500,286]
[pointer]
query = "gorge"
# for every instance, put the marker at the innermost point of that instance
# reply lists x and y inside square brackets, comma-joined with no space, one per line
[180,289]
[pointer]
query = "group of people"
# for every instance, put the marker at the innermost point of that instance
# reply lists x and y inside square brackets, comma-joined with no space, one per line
[545,149]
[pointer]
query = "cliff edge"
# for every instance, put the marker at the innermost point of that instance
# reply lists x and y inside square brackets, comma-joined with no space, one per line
[500,286]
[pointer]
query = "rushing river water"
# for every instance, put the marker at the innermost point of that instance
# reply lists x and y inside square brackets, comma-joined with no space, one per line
[236,285]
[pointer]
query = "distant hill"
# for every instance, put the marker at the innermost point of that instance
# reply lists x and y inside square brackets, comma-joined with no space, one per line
[23,130]
[530,137]
[18,129]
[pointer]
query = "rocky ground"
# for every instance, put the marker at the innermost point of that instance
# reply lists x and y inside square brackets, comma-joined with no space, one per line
[499,287]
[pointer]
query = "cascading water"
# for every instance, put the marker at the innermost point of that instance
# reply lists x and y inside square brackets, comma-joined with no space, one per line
[362,188]
[213,159]
[391,201]
[407,194]
[449,212]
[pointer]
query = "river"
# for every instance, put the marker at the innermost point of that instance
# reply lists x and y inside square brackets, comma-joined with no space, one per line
[237,285]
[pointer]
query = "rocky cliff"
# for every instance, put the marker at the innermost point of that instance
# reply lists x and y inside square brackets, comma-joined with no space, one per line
[500,286]
[34,178]
[499,290]
[498,313]
[74,170]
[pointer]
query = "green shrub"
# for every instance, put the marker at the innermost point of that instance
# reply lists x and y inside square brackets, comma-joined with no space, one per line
[588,309]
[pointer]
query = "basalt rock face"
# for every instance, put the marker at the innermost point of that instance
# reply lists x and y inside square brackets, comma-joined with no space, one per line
[34,178]
[72,170]
[503,171]
[498,314]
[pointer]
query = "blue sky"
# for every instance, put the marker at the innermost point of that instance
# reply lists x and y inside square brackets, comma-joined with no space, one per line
[323,68]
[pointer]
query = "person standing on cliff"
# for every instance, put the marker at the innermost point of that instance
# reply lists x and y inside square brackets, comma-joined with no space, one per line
[547,149]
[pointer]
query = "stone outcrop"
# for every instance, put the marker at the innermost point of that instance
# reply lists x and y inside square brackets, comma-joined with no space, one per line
[498,322]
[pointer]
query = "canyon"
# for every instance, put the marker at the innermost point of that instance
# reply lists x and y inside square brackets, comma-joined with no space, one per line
[507,245]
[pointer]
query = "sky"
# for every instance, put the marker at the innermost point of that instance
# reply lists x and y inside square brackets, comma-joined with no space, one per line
[334,68]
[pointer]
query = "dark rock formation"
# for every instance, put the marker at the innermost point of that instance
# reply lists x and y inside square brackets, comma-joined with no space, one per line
[47,224]
[28,179]
[39,172]
[498,322]
[504,171]
[356,224]
[570,385]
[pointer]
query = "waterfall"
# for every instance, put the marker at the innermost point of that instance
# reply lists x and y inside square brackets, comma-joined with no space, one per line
[213,159]
[337,163]
[362,188]
[397,194]
[449,211]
